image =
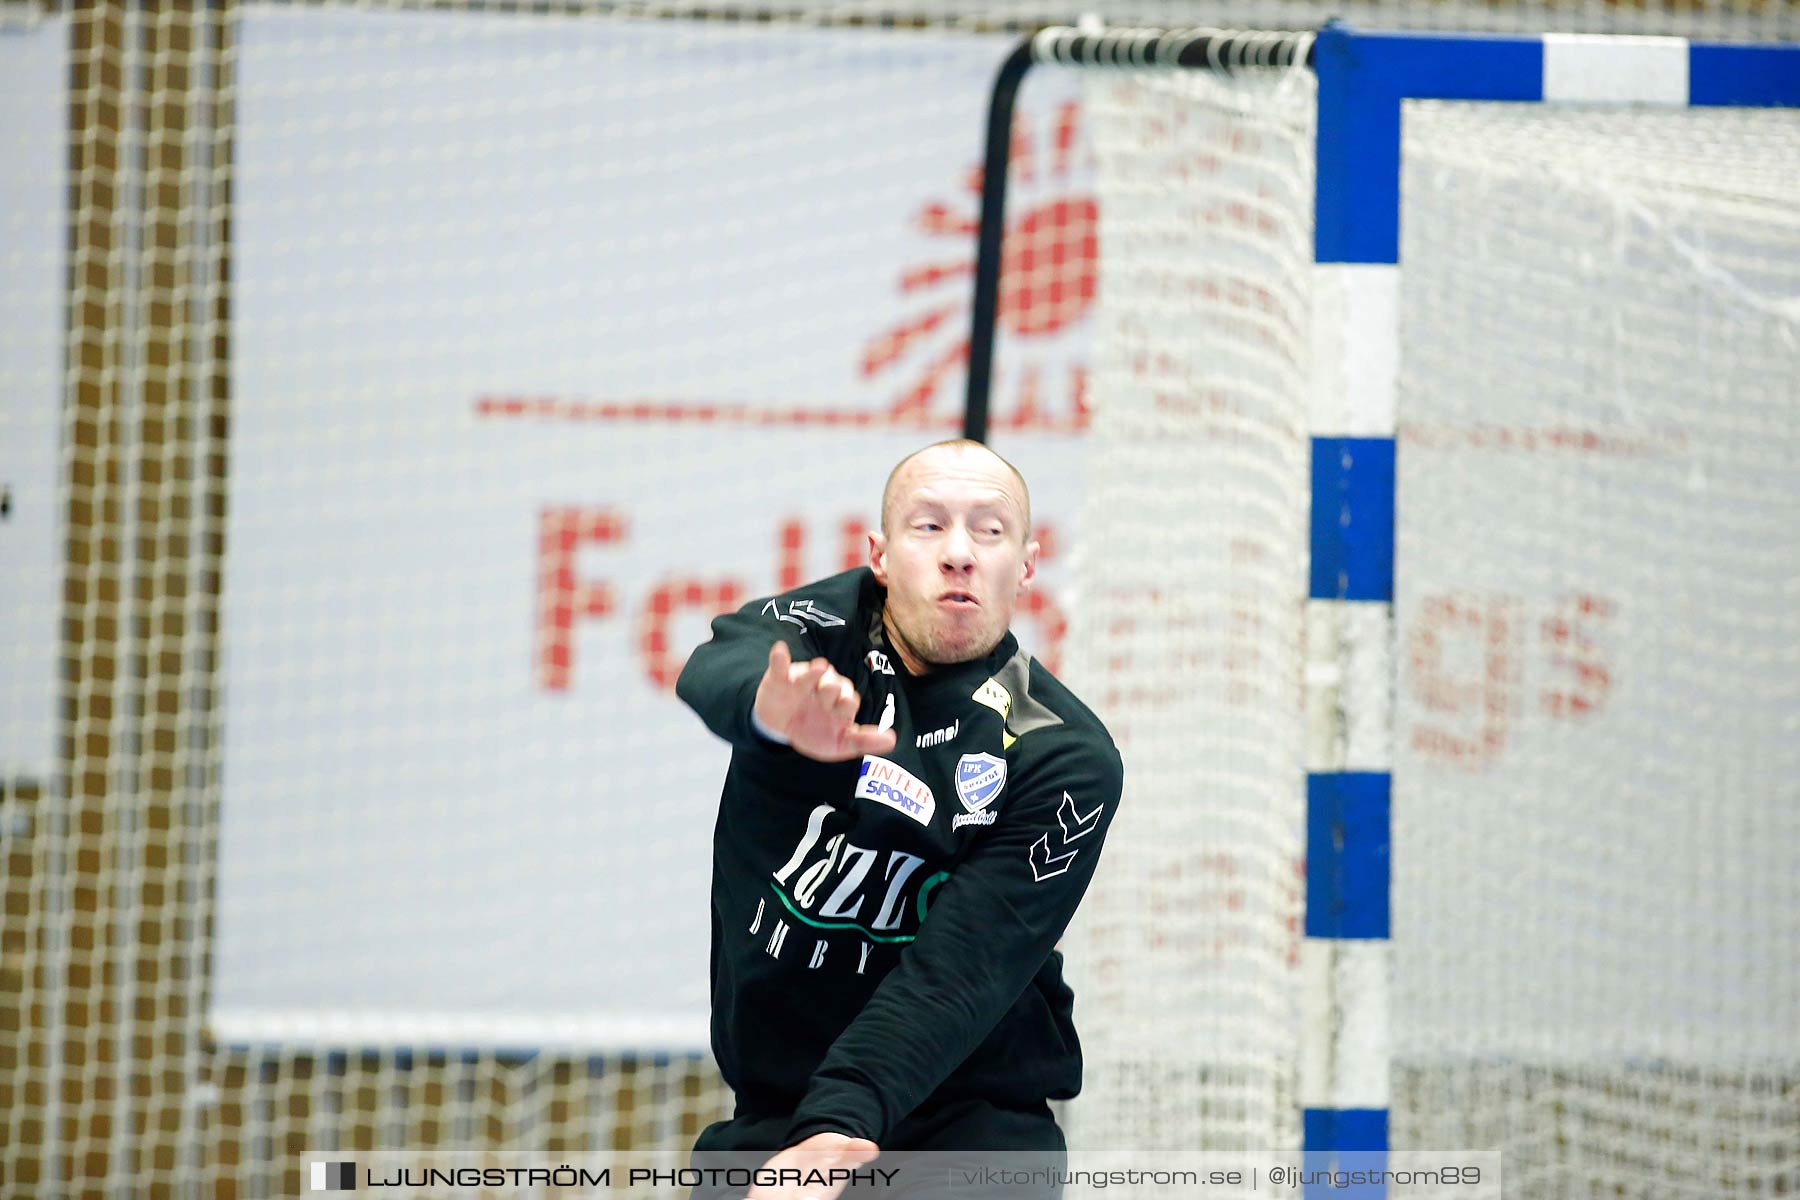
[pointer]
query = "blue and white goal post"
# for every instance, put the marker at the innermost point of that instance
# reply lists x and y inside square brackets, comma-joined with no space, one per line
[1367,84]
[1440,608]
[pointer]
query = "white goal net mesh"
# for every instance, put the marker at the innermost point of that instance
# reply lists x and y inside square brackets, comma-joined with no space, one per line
[1192,577]
[1596,890]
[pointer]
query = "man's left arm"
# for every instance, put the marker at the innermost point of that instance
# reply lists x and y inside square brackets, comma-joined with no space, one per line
[989,928]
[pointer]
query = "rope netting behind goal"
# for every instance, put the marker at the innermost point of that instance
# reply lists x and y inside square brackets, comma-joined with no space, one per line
[1596,816]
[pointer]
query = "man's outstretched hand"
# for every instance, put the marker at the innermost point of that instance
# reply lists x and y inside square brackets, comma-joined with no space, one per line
[814,708]
[822,1152]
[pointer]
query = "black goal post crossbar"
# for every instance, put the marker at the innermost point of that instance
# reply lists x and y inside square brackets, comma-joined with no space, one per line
[1192,49]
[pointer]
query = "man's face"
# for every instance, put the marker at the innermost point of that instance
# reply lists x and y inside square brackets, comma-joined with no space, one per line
[954,556]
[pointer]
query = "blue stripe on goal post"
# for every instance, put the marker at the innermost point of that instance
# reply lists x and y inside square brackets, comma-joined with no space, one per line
[1352,518]
[1347,825]
[1360,1129]
[1744,76]
[1363,77]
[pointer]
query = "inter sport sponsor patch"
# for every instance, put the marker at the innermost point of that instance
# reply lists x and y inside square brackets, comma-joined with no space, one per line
[893,785]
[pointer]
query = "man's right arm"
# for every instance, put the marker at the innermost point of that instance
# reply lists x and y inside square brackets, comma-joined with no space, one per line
[756,684]
[720,679]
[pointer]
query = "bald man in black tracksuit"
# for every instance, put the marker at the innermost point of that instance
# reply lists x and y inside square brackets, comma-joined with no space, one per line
[884,923]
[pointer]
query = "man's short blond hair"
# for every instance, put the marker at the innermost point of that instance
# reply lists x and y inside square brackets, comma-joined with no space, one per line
[961,444]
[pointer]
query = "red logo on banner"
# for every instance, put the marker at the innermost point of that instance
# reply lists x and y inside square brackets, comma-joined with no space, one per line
[1048,282]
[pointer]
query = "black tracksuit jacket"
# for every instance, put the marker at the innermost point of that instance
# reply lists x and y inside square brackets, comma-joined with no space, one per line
[884,929]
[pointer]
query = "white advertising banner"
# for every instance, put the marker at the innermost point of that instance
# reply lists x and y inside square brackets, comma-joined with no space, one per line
[551,339]
[33,150]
